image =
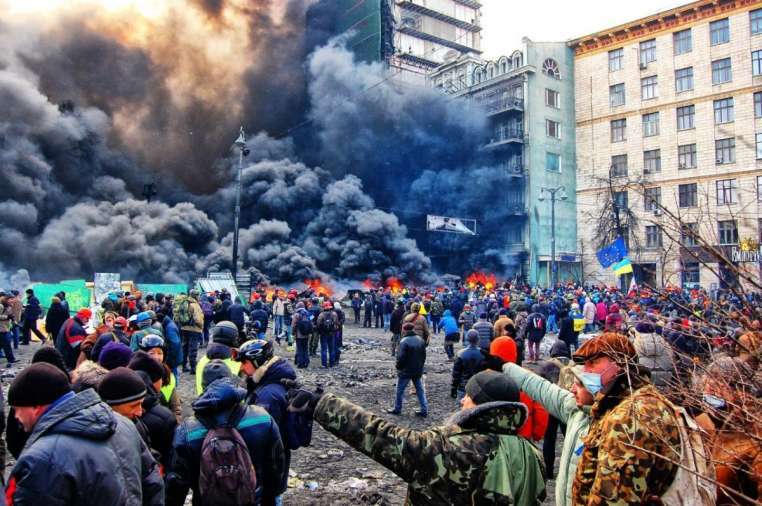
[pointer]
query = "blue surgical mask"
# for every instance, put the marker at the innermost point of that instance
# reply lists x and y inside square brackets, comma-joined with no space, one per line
[591,381]
[715,402]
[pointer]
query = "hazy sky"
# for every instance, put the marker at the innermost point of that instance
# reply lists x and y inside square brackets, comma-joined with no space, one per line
[505,22]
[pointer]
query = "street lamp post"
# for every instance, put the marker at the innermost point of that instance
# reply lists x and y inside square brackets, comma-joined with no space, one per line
[561,190]
[240,143]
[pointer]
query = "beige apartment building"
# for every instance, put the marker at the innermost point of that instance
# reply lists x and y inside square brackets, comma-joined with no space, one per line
[669,133]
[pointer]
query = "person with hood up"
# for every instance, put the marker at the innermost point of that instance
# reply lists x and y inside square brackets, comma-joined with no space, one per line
[79,451]
[224,339]
[469,362]
[192,330]
[221,405]
[259,318]
[566,332]
[71,335]
[55,318]
[18,309]
[474,457]
[451,335]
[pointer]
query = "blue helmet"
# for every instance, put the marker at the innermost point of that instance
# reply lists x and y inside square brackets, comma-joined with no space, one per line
[143,318]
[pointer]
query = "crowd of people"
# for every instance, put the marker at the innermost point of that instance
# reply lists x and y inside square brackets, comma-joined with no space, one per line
[656,395]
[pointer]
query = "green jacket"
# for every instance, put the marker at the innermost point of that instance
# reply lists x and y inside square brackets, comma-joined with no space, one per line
[562,405]
[476,458]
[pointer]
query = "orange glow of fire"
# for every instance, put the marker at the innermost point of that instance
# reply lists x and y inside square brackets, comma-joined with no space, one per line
[319,287]
[395,285]
[369,285]
[488,281]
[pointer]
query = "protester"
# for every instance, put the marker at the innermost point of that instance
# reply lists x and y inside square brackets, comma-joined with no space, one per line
[451,335]
[155,347]
[535,331]
[395,326]
[6,322]
[189,316]
[115,355]
[55,318]
[71,335]
[32,312]
[327,326]
[411,359]
[224,339]
[420,326]
[468,363]
[485,330]
[302,330]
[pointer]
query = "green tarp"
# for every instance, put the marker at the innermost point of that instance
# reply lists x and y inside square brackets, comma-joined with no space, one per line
[77,293]
[165,288]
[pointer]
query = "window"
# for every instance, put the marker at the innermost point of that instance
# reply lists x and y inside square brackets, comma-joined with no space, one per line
[756,63]
[758,104]
[553,162]
[649,88]
[727,231]
[755,21]
[686,156]
[621,201]
[552,128]
[653,236]
[684,79]
[725,150]
[721,71]
[759,188]
[552,98]
[550,68]
[647,52]
[619,166]
[719,31]
[682,41]
[689,234]
[691,274]
[759,146]
[651,124]
[652,199]
[723,111]
[687,195]
[726,191]
[618,130]
[616,59]
[616,94]
[651,161]
[685,117]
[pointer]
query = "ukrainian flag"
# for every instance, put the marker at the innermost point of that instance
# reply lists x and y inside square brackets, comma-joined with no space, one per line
[622,267]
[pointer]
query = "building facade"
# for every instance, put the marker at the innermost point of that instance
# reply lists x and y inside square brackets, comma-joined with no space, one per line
[669,140]
[412,36]
[528,98]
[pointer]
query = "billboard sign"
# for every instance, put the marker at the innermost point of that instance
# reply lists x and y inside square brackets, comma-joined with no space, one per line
[450,225]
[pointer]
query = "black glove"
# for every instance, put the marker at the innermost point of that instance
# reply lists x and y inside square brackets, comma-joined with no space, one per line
[304,401]
[454,393]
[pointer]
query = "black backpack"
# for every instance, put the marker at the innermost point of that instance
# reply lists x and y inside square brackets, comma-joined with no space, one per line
[304,326]
[227,475]
[328,323]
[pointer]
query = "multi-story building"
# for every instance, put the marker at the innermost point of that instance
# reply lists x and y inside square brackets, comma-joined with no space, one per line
[412,36]
[669,138]
[528,98]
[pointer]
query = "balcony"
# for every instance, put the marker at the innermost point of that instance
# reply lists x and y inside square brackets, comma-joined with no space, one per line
[503,104]
[415,32]
[513,167]
[506,135]
[417,6]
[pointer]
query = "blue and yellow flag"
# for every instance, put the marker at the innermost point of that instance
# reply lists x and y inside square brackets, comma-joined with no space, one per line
[614,252]
[622,267]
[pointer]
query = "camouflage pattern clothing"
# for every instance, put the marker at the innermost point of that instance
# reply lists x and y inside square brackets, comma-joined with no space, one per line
[476,458]
[628,452]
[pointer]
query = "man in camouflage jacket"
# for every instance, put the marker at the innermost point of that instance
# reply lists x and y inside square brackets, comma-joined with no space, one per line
[631,452]
[475,458]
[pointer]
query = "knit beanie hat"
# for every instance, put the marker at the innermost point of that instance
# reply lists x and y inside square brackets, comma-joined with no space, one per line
[50,355]
[472,337]
[120,386]
[213,371]
[504,348]
[38,385]
[491,386]
[115,355]
[142,361]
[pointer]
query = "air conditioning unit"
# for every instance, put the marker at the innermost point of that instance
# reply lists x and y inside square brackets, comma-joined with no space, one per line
[646,171]
[719,161]
[657,212]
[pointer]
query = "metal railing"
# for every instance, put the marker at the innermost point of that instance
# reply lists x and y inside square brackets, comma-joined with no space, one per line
[497,105]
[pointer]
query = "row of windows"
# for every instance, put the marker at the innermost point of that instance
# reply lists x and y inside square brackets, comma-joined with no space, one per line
[682,41]
[722,72]
[724,152]
[727,234]
[724,112]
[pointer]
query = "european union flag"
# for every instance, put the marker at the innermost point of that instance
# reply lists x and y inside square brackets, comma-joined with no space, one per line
[612,253]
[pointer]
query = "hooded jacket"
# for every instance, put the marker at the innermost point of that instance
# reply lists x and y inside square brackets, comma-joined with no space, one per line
[55,317]
[82,453]
[222,405]
[448,324]
[69,339]
[475,458]
[159,421]
[469,361]
[267,391]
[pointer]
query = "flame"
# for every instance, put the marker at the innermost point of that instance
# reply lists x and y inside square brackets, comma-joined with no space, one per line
[395,285]
[368,284]
[318,287]
[488,281]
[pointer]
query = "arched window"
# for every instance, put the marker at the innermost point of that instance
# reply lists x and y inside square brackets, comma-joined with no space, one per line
[550,68]
[490,70]
[518,59]
[503,63]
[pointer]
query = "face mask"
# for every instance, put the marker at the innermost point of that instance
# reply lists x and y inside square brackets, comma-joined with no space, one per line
[715,402]
[591,381]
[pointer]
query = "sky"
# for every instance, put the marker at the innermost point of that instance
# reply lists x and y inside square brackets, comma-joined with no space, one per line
[505,22]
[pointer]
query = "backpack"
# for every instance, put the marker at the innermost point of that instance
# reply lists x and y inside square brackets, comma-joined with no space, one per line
[537,323]
[181,311]
[304,326]
[226,474]
[328,323]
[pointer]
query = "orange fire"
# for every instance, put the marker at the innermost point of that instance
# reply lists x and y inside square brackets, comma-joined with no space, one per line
[318,287]
[488,281]
[368,284]
[395,285]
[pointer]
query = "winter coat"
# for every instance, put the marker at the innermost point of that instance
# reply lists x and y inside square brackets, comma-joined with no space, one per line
[173,347]
[484,328]
[69,339]
[258,313]
[395,322]
[32,310]
[466,320]
[468,362]
[420,326]
[159,421]
[18,308]
[55,318]
[601,311]
[476,458]
[237,315]
[560,404]
[6,316]
[219,351]
[654,353]
[196,317]
[222,405]
[82,453]
[566,331]
[500,325]
[614,320]
[300,313]
[411,357]
[448,324]
[321,320]
[589,312]
[533,333]
[267,391]
[279,307]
